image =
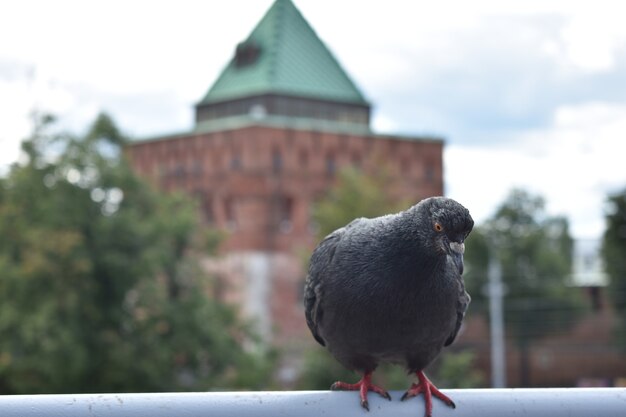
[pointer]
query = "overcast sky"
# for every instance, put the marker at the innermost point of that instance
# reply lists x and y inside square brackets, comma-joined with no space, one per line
[527,94]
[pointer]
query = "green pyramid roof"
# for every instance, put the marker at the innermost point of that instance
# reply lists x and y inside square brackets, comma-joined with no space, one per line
[283,55]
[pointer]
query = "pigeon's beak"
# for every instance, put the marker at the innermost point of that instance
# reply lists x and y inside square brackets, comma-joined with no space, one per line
[457,249]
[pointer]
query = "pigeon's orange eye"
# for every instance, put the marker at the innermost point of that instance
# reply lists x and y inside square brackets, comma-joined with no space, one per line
[438,227]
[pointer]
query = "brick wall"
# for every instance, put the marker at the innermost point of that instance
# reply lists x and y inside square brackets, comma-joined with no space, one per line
[258,183]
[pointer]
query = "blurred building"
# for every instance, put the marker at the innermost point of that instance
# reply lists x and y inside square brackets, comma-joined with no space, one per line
[270,136]
[584,354]
[587,268]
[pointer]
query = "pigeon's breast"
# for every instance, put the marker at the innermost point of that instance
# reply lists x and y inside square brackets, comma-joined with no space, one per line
[389,324]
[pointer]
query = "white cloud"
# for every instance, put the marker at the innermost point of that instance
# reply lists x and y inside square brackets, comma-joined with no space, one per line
[593,35]
[574,164]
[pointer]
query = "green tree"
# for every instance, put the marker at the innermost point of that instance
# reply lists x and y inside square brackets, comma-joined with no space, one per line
[613,250]
[535,253]
[357,194]
[100,288]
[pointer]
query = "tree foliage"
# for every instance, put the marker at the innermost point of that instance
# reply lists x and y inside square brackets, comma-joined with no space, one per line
[100,286]
[355,195]
[613,252]
[535,254]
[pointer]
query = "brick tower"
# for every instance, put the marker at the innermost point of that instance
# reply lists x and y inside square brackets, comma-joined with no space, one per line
[270,134]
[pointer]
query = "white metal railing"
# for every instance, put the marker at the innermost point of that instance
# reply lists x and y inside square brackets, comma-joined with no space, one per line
[553,402]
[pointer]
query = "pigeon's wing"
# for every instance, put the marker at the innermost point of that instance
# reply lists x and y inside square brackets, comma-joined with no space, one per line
[461,308]
[321,259]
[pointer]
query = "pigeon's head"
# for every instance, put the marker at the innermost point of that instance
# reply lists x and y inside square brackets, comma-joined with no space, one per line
[448,223]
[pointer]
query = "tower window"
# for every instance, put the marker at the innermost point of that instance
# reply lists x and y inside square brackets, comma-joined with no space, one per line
[277,161]
[405,167]
[197,167]
[206,205]
[235,162]
[356,159]
[331,166]
[285,214]
[303,158]
[246,54]
[429,173]
[229,213]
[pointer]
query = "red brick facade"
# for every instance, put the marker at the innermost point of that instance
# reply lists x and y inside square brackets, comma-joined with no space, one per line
[258,183]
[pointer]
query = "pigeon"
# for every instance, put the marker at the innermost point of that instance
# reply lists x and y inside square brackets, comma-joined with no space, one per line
[390,289]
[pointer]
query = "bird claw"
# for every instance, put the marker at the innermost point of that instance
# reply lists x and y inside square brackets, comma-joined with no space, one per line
[363,386]
[428,389]
[408,394]
[365,405]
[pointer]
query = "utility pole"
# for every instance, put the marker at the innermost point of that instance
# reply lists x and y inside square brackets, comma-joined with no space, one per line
[496,317]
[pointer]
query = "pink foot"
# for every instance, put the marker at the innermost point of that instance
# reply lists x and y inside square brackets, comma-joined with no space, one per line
[364,385]
[428,389]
